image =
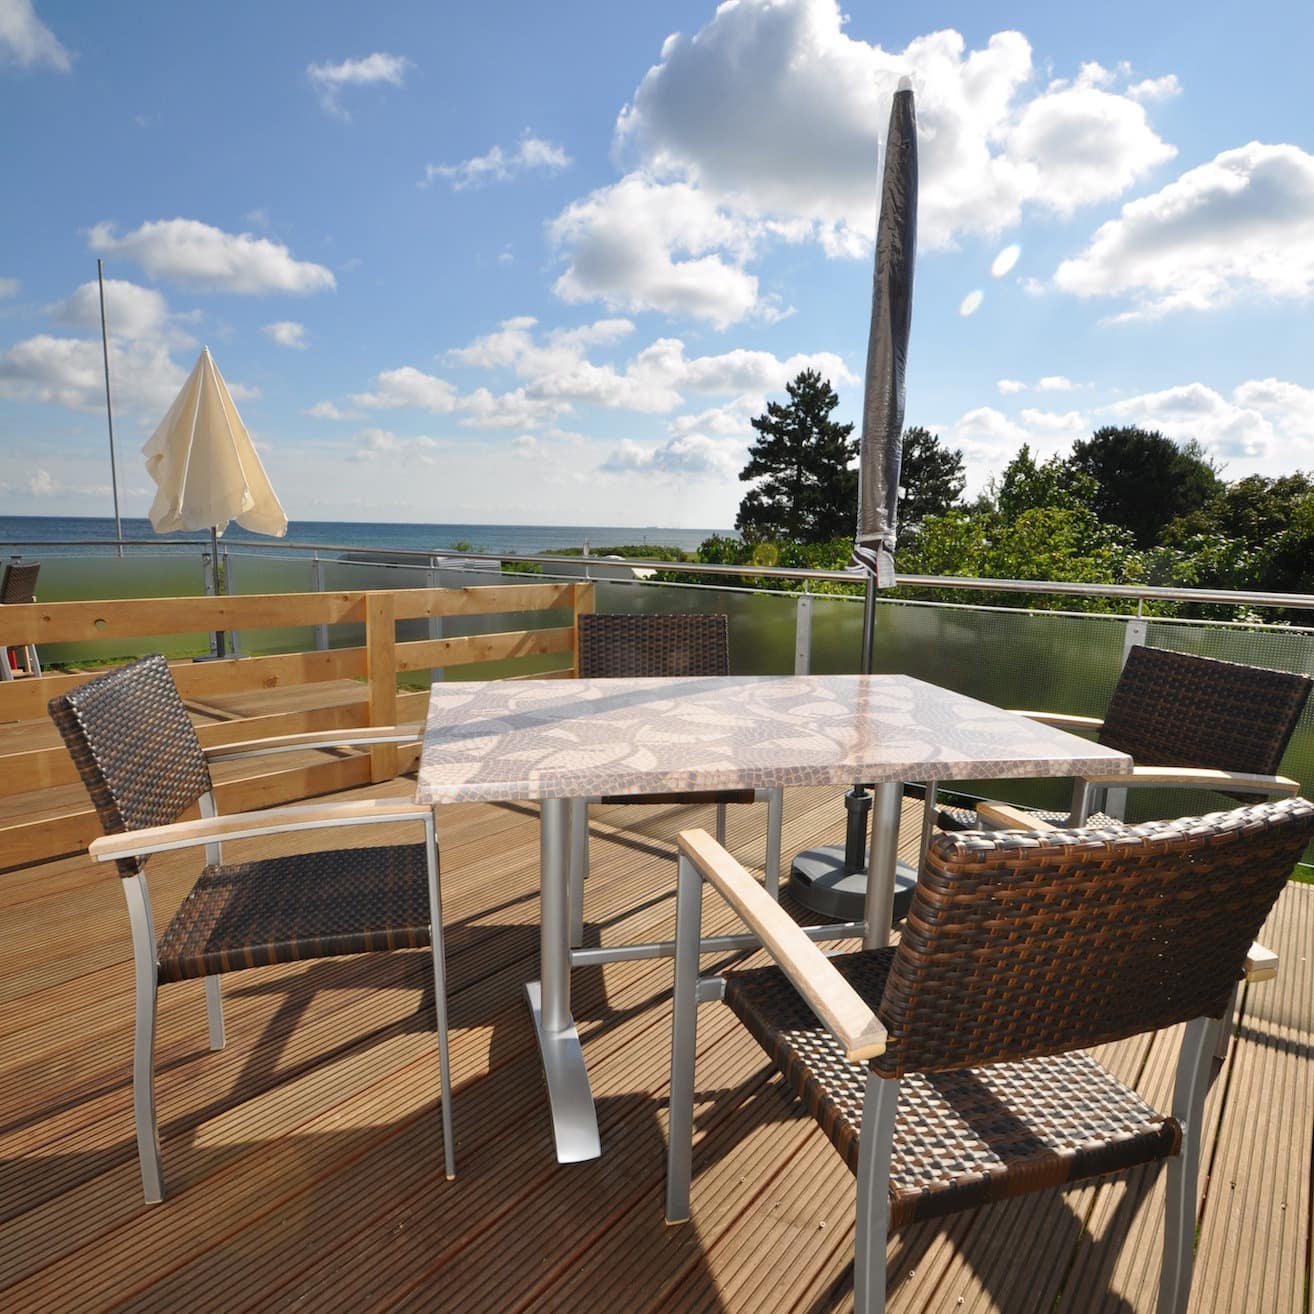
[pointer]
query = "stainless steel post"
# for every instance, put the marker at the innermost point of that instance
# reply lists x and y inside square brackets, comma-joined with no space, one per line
[109,407]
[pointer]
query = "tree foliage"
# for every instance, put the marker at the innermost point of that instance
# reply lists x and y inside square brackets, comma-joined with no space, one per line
[805,489]
[931,477]
[1028,486]
[1143,479]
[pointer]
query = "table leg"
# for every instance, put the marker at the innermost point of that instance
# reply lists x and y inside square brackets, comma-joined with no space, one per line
[882,862]
[574,1119]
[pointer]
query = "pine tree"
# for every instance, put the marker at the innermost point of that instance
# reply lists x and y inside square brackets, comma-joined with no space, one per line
[931,478]
[807,491]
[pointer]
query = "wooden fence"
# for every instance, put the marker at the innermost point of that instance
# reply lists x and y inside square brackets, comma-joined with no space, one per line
[45,812]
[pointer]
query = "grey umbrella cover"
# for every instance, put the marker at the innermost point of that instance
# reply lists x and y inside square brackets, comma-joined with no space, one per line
[887,345]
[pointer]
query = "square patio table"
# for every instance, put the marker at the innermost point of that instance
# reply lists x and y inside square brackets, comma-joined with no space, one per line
[557,742]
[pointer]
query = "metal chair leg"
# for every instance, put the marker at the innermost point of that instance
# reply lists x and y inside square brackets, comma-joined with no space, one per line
[1226,1026]
[879,1104]
[1183,1169]
[720,824]
[440,995]
[143,1045]
[684,1035]
[214,1012]
[775,820]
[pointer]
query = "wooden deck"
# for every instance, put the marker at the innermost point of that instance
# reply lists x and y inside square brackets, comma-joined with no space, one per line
[304,1168]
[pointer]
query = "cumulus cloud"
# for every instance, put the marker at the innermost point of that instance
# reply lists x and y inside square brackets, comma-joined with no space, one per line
[692,454]
[329,80]
[500,166]
[409,387]
[199,256]
[557,372]
[26,41]
[1007,386]
[1243,224]
[132,312]
[643,245]
[1164,88]
[326,410]
[373,444]
[1226,429]
[763,127]
[70,372]
[287,333]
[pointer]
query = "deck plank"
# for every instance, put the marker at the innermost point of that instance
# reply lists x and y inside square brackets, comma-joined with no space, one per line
[304,1163]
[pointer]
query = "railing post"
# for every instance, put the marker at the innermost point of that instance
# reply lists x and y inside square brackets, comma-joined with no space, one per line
[803,633]
[381,678]
[585,600]
[1114,802]
[230,578]
[317,586]
[207,578]
[435,622]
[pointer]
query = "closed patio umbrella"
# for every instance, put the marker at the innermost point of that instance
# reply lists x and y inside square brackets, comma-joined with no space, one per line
[205,466]
[833,880]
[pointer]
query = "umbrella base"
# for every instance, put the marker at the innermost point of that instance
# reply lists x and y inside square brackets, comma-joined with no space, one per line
[818,881]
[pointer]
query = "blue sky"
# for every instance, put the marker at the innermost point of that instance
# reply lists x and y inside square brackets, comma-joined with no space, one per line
[515,262]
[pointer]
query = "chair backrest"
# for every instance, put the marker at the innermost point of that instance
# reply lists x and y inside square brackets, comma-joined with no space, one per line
[1173,709]
[611,644]
[134,746]
[20,582]
[1023,944]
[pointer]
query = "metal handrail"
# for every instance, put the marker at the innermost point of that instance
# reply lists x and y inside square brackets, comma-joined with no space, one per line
[1129,592]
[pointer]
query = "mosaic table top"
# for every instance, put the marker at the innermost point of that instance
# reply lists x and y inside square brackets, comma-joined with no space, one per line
[500,740]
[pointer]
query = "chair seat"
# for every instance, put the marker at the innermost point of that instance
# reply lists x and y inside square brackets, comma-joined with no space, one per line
[688,796]
[306,905]
[962,1138]
[955,819]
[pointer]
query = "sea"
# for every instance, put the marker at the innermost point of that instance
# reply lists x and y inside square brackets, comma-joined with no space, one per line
[78,535]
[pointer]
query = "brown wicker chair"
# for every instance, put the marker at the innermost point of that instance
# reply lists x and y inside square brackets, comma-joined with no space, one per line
[135,748]
[948,1071]
[668,645]
[19,585]
[1188,722]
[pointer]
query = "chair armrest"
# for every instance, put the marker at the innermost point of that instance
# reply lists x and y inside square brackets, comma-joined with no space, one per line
[1261,964]
[382,734]
[1229,782]
[246,825]
[1062,720]
[827,993]
[1004,816]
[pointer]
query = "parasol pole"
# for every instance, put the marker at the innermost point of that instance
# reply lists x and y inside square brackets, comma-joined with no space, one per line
[109,407]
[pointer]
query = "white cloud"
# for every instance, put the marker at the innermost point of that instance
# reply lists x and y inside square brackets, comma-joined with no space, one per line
[692,454]
[516,409]
[326,410]
[1055,424]
[409,387]
[643,245]
[1224,428]
[70,372]
[370,70]
[500,166]
[1243,224]
[26,41]
[971,303]
[1007,386]
[525,444]
[1164,88]
[132,313]
[1055,383]
[9,288]
[287,333]
[376,444]
[1287,406]
[42,484]
[1005,260]
[197,255]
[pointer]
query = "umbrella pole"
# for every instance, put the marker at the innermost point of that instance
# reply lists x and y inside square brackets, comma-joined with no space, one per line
[220,636]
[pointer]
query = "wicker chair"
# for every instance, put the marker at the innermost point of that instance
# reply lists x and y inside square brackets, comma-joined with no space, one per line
[948,1071]
[19,585]
[1188,722]
[616,645]
[139,757]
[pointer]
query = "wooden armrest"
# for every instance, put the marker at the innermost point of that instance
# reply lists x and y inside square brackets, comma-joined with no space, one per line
[381,734]
[1004,816]
[1261,964]
[1062,720]
[827,993]
[245,825]
[1228,782]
